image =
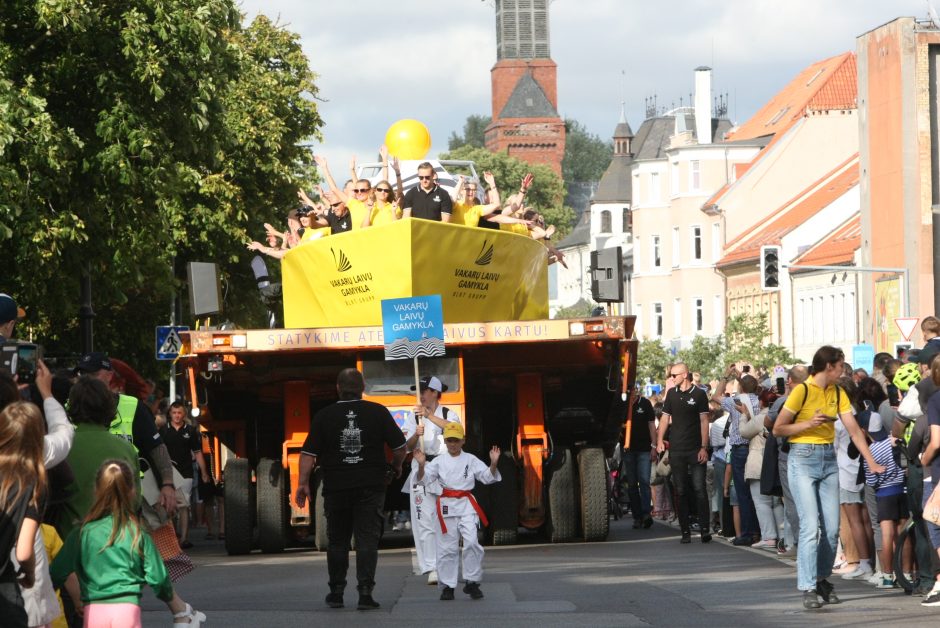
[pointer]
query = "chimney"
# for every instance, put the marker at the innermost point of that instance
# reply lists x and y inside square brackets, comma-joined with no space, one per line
[703,104]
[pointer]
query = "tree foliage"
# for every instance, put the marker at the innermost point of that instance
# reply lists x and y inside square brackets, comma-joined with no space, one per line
[473,133]
[547,193]
[135,136]
[586,155]
[744,340]
[579,309]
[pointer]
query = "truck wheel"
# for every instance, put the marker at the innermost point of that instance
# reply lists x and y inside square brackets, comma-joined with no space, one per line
[273,519]
[592,471]
[504,505]
[319,518]
[561,518]
[239,506]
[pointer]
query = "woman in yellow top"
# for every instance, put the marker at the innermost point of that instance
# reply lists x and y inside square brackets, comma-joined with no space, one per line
[310,231]
[808,419]
[385,209]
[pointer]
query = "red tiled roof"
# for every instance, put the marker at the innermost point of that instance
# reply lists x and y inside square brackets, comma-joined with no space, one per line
[792,214]
[811,89]
[837,248]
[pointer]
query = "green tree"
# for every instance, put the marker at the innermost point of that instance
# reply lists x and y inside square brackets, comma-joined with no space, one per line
[704,355]
[745,340]
[586,155]
[473,133]
[135,136]
[547,193]
[652,360]
[581,308]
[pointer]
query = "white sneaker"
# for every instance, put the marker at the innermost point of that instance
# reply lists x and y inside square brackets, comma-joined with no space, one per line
[887,582]
[768,544]
[432,577]
[859,573]
[875,578]
[407,525]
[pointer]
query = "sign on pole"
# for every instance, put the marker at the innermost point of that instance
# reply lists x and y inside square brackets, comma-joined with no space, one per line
[907,326]
[168,341]
[413,327]
[863,357]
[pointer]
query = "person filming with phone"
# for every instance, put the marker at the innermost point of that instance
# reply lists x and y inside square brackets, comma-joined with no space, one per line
[808,419]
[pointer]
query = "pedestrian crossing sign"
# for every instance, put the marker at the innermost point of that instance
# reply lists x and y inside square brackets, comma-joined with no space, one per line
[168,341]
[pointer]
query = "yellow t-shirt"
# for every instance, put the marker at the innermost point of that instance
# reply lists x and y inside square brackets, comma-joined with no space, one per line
[468,215]
[314,233]
[357,211]
[382,214]
[817,399]
[515,228]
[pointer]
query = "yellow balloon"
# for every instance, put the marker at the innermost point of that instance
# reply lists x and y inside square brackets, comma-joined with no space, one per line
[408,139]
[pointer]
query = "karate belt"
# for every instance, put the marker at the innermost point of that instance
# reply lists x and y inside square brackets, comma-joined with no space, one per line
[449,492]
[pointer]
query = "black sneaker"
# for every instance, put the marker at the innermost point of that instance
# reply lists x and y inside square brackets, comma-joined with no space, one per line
[811,600]
[743,541]
[932,598]
[447,593]
[366,603]
[686,537]
[706,538]
[473,590]
[334,600]
[826,591]
[648,522]
[637,524]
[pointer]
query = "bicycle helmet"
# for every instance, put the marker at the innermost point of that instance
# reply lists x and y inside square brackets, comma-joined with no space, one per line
[906,376]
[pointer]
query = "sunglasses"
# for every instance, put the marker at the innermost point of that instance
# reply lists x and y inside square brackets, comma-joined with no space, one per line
[336,204]
[424,178]
[676,374]
[386,190]
[361,190]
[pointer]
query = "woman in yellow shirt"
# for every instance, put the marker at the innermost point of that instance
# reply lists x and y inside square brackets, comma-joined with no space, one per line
[385,209]
[808,419]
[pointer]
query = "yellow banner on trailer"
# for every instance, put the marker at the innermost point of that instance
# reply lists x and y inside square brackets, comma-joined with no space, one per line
[481,274]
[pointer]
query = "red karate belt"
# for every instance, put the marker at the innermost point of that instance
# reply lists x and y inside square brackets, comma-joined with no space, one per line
[449,492]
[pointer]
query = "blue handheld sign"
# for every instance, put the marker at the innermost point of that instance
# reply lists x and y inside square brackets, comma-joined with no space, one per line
[413,327]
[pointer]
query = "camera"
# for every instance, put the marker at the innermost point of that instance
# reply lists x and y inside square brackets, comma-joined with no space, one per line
[20,359]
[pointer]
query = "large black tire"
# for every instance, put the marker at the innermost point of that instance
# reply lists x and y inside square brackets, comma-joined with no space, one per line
[273,514]
[592,472]
[239,507]
[504,504]
[561,518]
[319,518]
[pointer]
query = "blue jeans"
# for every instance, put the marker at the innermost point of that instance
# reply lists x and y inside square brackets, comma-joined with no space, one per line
[814,483]
[636,480]
[749,526]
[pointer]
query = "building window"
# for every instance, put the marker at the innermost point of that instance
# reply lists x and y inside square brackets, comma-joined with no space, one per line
[698,315]
[674,177]
[697,244]
[677,317]
[675,247]
[658,320]
[605,221]
[656,259]
[695,178]
[716,242]
[654,188]
[626,221]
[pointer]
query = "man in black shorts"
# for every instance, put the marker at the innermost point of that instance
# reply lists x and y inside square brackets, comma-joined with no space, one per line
[348,440]
[686,409]
[427,200]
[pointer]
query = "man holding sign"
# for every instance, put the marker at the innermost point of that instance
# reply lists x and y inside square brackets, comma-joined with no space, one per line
[427,426]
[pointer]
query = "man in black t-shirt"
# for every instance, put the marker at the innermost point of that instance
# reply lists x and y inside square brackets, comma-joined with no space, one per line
[348,440]
[686,409]
[635,462]
[184,443]
[337,218]
[427,200]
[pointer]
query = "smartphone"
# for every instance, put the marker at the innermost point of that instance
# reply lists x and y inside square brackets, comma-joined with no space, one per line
[21,359]
[830,418]
[781,386]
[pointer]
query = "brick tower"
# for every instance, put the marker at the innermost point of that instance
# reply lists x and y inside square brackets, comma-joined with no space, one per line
[525,95]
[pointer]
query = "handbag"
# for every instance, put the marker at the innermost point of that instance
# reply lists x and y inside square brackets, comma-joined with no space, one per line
[754,425]
[663,468]
[932,507]
[770,471]
[177,562]
[655,478]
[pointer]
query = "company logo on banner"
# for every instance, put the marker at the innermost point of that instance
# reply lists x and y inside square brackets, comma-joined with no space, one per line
[413,327]
[485,256]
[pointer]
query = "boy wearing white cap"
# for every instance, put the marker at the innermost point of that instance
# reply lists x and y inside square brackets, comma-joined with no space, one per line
[457,510]
[433,418]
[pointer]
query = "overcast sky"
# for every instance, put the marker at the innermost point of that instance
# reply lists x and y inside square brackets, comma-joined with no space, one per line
[378,62]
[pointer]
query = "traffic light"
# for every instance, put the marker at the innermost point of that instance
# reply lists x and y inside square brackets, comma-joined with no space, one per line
[770,267]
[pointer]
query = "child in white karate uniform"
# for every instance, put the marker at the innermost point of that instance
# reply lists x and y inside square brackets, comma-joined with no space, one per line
[457,511]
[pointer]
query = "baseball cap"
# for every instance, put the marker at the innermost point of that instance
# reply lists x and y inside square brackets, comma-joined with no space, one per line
[453,429]
[9,311]
[433,383]
[92,362]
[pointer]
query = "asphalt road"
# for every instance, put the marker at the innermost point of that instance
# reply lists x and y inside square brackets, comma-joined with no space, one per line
[636,578]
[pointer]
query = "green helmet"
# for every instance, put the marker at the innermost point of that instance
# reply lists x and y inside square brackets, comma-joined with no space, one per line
[906,376]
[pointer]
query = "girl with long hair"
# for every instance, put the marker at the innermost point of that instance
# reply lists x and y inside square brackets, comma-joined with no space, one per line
[106,561]
[22,482]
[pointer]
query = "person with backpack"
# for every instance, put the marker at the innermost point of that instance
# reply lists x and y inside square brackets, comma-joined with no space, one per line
[110,557]
[808,420]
